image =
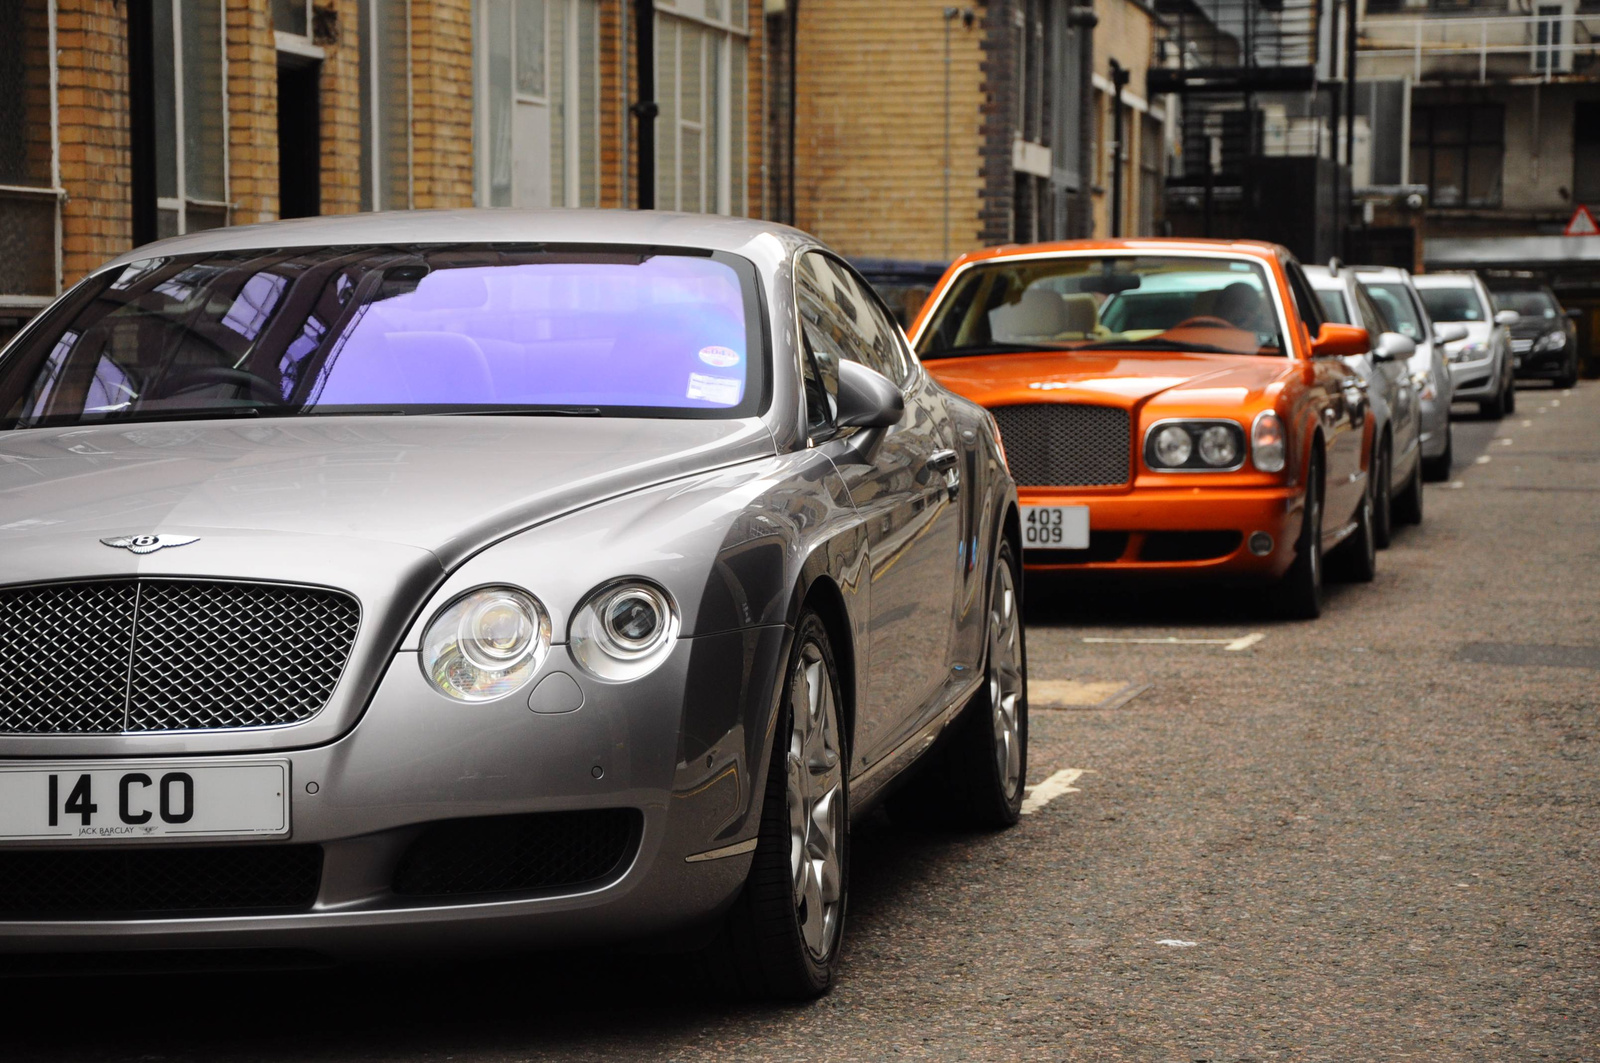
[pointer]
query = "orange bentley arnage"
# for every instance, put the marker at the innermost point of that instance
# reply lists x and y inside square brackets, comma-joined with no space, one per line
[1165,405]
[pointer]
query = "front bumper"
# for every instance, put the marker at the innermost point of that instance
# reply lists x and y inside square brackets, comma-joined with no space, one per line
[1195,530]
[684,748]
[1543,365]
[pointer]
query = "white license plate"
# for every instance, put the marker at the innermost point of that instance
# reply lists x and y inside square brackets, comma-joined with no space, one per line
[1055,527]
[138,799]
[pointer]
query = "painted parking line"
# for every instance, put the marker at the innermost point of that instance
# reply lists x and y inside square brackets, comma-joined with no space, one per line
[1482,459]
[1242,642]
[1072,694]
[1052,788]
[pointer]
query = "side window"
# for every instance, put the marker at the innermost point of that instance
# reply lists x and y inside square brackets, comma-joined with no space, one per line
[1304,302]
[843,315]
[819,366]
[1377,319]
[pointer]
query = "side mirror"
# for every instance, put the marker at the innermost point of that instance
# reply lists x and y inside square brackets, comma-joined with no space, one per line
[1507,317]
[1393,347]
[867,399]
[1340,341]
[1443,334]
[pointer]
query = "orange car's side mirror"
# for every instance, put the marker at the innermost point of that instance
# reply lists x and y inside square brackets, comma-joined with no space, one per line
[1340,341]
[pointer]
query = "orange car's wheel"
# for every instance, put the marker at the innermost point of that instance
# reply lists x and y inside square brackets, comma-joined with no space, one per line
[1299,593]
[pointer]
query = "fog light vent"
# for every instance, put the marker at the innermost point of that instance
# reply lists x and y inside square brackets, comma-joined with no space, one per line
[1260,544]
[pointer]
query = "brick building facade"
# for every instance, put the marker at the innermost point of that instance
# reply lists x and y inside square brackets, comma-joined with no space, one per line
[125,120]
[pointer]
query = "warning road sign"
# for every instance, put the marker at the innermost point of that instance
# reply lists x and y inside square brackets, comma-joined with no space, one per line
[1582,223]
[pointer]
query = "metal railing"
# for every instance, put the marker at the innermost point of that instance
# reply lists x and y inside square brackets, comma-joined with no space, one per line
[1457,46]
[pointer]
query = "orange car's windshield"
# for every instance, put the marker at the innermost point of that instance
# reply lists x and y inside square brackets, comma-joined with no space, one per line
[1107,302]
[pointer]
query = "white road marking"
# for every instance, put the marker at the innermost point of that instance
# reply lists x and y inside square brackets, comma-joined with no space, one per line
[1555,402]
[1456,485]
[1052,788]
[1071,694]
[1175,943]
[1505,441]
[1527,424]
[1483,459]
[1243,642]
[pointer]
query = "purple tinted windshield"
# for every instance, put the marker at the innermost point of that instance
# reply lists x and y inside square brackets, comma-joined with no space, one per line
[668,332]
[619,332]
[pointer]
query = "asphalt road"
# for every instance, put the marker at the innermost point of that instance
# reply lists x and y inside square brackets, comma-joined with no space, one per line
[1369,837]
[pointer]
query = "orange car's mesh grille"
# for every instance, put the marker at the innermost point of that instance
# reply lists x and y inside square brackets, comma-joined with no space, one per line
[1060,444]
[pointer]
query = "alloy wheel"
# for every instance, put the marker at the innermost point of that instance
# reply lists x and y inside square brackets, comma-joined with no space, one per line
[815,786]
[1005,680]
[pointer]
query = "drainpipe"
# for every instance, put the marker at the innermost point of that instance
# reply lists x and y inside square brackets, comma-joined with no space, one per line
[142,119]
[1082,18]
[646,109]
[1119,79]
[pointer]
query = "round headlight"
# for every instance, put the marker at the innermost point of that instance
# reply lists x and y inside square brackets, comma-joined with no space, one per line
[485,644]
[1219,446]
[624,630]
[1268,449]
[1173,446]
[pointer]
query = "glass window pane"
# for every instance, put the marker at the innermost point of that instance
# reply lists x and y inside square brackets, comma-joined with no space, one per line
[557,58]
[1488,125]
[1483,176]
[589,103]
[1450,126]
[691,38]
[203,133]
[27,244]
[1448,183]
[667,122]
[394,118]
[288,16]
[166,93]
[500,102]
[25,94]
[531,47]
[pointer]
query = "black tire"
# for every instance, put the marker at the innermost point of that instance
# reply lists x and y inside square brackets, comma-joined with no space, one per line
[1511,395]
[1408,507]
[1382,497]
[1356,559]
[1298,595]
[762,950]
[963,783]
[1568,379]
[1437,470]
[1494,409]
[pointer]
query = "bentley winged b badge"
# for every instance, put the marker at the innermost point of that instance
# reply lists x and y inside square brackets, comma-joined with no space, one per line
[149,544]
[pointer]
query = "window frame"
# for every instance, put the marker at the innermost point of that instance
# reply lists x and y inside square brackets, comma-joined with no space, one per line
[907,378]
[1423,138]
[727,190]
[179,204]
[372,140]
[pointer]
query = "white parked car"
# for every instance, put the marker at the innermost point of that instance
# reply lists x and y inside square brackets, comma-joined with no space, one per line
[1480,363]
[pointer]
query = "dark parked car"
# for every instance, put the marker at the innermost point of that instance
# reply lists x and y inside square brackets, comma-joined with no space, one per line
[1544,340]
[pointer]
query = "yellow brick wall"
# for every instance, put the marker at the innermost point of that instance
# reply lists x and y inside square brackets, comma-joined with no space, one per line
[441,94]
[252,112]
[340,84]
[869,129]
[97,217]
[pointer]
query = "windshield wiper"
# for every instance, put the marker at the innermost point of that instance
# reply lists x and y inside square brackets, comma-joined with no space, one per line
[1157,345]
[525,411]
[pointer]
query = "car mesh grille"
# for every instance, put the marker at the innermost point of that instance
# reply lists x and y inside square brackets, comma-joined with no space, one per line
[75,883]
[168,655]
[1065,444]
[1521,346]
[506,854]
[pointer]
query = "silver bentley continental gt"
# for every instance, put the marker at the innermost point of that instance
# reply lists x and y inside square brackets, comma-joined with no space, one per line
[472,580]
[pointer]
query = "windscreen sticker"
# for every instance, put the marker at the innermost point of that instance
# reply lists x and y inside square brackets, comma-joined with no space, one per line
[724,391]
[721,357]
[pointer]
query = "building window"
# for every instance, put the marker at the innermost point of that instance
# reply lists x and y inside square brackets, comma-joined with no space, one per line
[701,57]
[1458,151]
[191,116]
[292,16]
[29,247]
[540,125]
[385,104]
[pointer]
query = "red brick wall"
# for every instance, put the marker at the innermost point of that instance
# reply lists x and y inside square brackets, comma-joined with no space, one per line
[97,217]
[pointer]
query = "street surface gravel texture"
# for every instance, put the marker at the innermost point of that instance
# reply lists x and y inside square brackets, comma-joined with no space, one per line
[1375,836]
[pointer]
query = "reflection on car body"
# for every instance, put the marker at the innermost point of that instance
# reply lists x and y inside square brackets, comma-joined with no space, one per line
[1186,397]
[548,577]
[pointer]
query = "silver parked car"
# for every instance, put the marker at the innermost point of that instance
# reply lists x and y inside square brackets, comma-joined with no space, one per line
[1481,362]
[473,579]
[1384,373]
[1395,295]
